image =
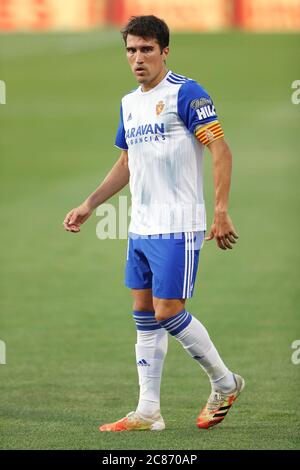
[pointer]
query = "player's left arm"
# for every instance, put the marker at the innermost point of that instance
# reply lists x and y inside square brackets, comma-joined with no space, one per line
[222,228]
[198,113]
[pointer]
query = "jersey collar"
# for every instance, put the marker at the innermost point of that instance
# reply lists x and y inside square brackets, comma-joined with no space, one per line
[156,87]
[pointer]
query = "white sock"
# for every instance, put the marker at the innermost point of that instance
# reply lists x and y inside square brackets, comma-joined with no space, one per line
[196,341]
[151,349]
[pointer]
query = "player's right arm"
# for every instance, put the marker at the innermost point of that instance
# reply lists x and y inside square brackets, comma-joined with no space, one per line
[116,179]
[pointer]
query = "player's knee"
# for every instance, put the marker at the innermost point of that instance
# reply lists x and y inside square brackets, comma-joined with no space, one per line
[161,315]
[165,309]
[142,306]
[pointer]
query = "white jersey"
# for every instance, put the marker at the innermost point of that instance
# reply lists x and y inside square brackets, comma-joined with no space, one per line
[157,128]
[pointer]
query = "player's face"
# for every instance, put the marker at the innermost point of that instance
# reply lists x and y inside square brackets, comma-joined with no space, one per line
[146,60]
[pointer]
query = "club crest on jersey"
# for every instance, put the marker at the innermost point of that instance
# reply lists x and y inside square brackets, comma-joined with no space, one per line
[159,107]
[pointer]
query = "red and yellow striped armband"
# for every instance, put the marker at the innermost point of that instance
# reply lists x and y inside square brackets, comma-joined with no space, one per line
[207,134]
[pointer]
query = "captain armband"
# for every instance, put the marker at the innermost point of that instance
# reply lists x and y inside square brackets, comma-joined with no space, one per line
[207,134]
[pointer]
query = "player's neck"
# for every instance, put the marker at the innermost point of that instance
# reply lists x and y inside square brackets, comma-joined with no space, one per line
[148,86]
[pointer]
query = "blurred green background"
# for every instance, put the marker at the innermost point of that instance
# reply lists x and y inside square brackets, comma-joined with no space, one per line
[65,313]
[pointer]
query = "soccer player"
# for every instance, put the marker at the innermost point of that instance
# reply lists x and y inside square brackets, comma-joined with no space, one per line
[164,126]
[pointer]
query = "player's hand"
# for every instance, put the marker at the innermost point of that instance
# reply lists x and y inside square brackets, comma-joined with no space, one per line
[223,231]
[76,217]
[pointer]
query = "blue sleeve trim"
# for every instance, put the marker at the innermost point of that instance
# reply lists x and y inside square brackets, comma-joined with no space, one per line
[195,106]
[120,137]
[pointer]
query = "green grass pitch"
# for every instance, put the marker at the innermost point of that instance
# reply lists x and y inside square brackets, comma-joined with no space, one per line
[65,313]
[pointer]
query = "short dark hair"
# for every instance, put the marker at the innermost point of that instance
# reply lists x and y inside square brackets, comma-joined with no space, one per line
[147,27]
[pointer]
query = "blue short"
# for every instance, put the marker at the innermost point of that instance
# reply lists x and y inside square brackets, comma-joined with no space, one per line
[166,263]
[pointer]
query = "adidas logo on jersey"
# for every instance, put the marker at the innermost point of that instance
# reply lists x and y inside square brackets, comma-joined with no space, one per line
[129,117]
[143,362]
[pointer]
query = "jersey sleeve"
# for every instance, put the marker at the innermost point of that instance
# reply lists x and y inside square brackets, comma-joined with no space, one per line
[197,111]
[120,141]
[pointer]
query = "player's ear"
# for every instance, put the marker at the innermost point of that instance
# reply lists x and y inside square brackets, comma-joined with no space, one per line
[165,52]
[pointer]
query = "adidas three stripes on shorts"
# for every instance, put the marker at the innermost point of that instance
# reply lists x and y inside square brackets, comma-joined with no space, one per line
[165,263]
